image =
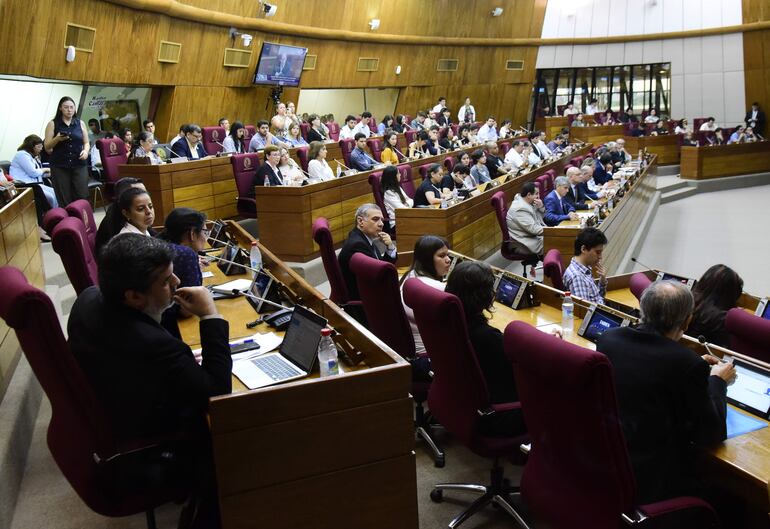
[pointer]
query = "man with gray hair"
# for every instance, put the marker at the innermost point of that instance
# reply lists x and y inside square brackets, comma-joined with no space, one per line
[669,398]
[557,208]
[366,237]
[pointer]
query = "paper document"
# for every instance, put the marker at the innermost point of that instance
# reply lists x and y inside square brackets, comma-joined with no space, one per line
[739,423]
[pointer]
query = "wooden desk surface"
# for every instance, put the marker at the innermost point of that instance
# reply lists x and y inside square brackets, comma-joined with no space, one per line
[725,160]
[597,134]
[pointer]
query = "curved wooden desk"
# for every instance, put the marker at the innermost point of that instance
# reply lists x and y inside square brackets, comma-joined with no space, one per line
[700,163]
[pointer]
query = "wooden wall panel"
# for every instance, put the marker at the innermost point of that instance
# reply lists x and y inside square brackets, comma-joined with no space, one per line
[756,54]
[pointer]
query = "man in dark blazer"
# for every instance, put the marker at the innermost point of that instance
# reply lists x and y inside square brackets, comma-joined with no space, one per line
[578,191]
[368,238]
[757,115]
[190,146]
[669,397]
[269,168]
[557,208]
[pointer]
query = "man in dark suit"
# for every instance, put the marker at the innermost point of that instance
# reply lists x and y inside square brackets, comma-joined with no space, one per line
[757,115]
[190,146]
[578,191]
[557,208]
[269,168]
[145,378]
[368,238]
[668,396]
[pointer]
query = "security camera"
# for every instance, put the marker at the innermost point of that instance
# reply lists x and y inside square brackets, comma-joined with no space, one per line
[246,38]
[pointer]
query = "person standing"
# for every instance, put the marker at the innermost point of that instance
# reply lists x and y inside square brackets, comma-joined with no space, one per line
[66,142]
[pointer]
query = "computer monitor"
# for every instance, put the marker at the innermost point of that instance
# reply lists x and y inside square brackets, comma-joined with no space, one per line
[218,236]
[763,309]
[686,281]
[509,290]
[261,287]
[598,321]
[280,64]
[751,389]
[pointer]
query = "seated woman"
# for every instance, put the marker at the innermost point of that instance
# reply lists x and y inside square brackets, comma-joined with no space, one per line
[479,171]
[607,119]
[429,192]
[652,117]
[472,282]
[463,158]
[234,142]
[318,168]
[715,293]
[185,229]
[660,129]
[417,148]
[455,179]
[688,140]
[145,143]
[737,135]
[132,213]
[294,137]
[392,194]
[430,265]
[505,130]
[386,123]
[578,121]
[290,172]
[105,231]
[26,167]
[128,139]
[749,136]
[390,152]
[464,133]
[401,124]
[717,138]
[318,131]
[447,141]
[682,127]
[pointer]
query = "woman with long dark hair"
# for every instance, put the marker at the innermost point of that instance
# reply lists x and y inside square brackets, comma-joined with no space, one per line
[185,229]
[66,142]
[392,194]
[234,141]
[133,212]
[715,293]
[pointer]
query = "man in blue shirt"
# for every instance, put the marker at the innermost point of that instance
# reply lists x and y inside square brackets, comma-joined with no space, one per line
[359,160]
[557,208]
[578,277]
[262,138]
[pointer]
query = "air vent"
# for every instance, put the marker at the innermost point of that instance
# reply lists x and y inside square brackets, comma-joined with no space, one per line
[237,58]
[82,37]
[310,61]
[169,51]
[368,64]
[514,65]
[447,65]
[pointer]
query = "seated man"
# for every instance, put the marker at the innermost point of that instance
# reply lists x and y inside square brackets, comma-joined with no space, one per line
[594,191]
[495,164]
[149,126]
[363,125]
[538,145]
[603,168]
[578,192]
[669,398]
[557,145]
[263,137]
[190,146]
[556,208]
[515,157]
[225,124]
[710,125]
[178,136]
[525,220]
[578,279]
[418,123]
[640,130]
[432,143]
[366,237]
[348,130]
[359,160]
[488,131]
[620,146]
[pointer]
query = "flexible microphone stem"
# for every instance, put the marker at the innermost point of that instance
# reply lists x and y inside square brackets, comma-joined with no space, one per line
[247,267]
[702,341]
[255,298]
[635,260]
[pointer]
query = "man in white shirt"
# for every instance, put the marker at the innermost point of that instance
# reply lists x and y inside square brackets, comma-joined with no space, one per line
[592,108]
[441,104]
[539,145]
[709,125]
[514,156]
[348,131]
[570,109]
[363,125]
[620,146]
[488,132]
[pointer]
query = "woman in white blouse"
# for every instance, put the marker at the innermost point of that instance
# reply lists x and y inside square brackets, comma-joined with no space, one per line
[27,168]
[466,114]
[146,142]
[294,138]
[392,194]
[682,127]
[290,172]
[318,168]
[652,117]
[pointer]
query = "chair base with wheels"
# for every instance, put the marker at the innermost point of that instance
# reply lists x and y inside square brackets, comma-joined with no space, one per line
[507,250]
[422,422]
[497,492]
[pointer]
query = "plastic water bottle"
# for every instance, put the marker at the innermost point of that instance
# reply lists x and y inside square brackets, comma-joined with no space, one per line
[328,363]
[267,181]
[567,315]
[255,256]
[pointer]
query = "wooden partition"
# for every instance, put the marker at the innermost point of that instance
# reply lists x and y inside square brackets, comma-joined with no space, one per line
[701,163]
[666,147]
[596,134]
[20,248]
[206,185]
[551,125]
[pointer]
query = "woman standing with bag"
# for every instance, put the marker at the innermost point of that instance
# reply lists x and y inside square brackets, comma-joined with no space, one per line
[66,141]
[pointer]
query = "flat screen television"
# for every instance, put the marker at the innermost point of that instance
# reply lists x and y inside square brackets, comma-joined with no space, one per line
[280,65]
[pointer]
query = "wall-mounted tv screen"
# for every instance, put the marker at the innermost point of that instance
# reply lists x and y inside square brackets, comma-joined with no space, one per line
[280,65]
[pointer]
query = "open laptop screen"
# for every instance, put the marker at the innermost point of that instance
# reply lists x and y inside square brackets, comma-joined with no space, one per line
[300,344]
[751,389]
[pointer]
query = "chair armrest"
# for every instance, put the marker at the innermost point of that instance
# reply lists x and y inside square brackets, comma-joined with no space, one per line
[134,446]
[684,512]
[499,408]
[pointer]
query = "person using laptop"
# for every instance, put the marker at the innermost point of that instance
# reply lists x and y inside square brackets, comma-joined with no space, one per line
[145,378]
[578,277]
[669,397]
[716,292]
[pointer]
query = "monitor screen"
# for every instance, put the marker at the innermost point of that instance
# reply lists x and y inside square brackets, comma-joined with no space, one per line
[751,389]
[671,277]
[280,65]
[259,288]
[507,290]
[766,312]
[601,322]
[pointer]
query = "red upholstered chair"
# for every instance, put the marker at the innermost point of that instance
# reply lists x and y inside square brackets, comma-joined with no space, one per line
[553,270]
[372,122]
[374,181]
[113,153]
[302,155]
[52,218]
[213,138]
[250,131]
[638,284]
[424,170]
[507,246]
[749,334]
[578,473]
[410,136]
[449,163]
[459,395]
[347,146]
[322,235]
[504,148]
[697,122]
[375,146]
[380,294]
[455,128]
[334,130]
[407,184]
[542,184]
[70,241]
[244,169]
[442,132]
[560,109]
[577,161]
[78,437]
[304,128]
[407,119]
[81,209]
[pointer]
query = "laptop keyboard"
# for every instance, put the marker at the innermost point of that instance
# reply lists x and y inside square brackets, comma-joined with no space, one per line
[275,368]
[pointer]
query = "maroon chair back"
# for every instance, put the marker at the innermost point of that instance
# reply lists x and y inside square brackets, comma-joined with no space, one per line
[304,128]
[749,334]
[70,241]
[541,182]
[302,155]
[449,163]
[552,268]
[81,209]
[250,131]
[244,169]
[347,146]
[375,146]
[407,119]
[53,217]
[697,122]
[322,235]
[213,138]
[374,181]
[504,148]
[424,170]
[113,153]
[455,128]
[380,294]
[638,284]
[578,459]
[334,130]
[372,122]
[458,390]
[407,184]
[410,136]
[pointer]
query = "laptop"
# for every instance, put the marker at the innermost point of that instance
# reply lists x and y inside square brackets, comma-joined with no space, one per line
[751,389]
[295,356]
[686,281]
[598,321]
[763,309]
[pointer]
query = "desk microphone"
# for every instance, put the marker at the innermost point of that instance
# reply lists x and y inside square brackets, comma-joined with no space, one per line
[702,341]
[171,152]
[247,267]
[397,151]
[635,260]
[248,294]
